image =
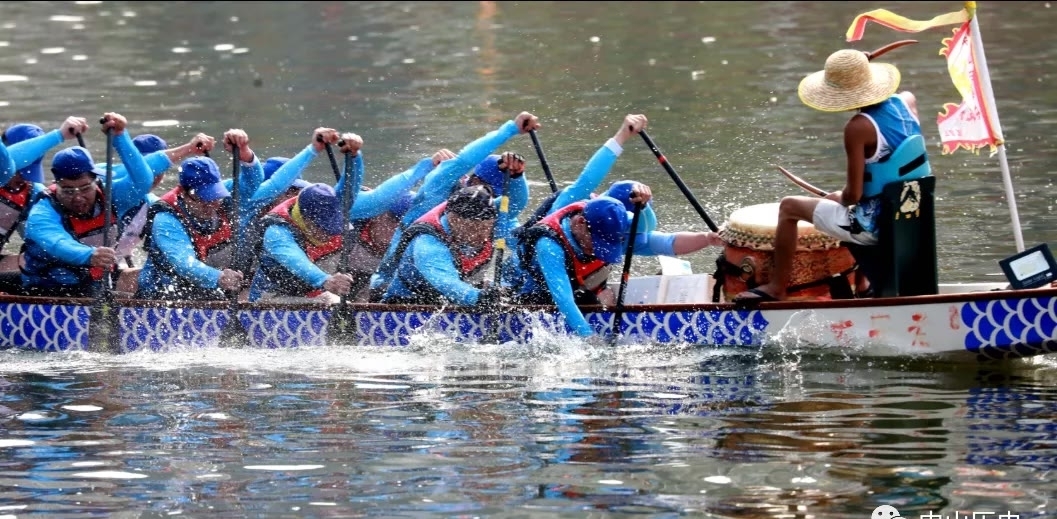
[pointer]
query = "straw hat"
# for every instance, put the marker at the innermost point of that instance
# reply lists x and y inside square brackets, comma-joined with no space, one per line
[849,81]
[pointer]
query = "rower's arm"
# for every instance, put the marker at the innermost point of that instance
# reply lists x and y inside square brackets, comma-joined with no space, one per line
[158,162]
[550,257]
[169,236]
[591,177]
[519,194]
[281,246]
[375,202]
[31,150]
[251,174]
[44,227]
[281,180]
[434,263]
[439,182]
[130,188]
[7,166]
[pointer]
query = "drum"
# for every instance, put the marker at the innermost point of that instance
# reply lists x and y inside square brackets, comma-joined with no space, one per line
[819,263]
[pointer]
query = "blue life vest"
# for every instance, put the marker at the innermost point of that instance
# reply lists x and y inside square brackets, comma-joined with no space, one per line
[908,161]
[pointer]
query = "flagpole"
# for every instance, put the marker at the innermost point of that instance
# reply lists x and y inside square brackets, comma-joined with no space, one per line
[992,114]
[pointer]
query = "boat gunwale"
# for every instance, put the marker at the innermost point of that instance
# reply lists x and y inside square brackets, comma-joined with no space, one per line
[962,297]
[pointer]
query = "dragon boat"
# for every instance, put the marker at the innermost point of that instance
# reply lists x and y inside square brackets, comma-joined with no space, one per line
[908,314]
[974,321]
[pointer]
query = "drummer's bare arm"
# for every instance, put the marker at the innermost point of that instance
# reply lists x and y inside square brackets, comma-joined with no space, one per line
[860,141]
[911,102]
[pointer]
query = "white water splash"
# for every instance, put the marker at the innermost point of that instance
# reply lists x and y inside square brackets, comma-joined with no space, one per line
[109,474]
[283,468]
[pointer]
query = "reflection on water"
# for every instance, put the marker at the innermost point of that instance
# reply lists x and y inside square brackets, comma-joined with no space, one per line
[554,428]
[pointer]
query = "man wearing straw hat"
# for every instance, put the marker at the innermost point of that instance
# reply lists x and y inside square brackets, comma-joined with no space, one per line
[883,120]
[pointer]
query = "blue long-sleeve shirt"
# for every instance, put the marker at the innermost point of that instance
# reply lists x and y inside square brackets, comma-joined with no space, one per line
[24,153]
[281,246]
[429,260]
[591,177]
[136,179]
[438,185]
[7,166]
[48,242]
[255,193]
[377,201]
[550,260]
[171,239]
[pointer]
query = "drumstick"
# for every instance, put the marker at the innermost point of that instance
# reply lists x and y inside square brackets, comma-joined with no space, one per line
[802,183]
[870,56]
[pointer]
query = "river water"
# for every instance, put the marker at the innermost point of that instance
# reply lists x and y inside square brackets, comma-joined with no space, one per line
[560,427]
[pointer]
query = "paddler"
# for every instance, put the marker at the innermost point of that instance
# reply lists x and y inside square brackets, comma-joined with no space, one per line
[22,147]
[301,248]
[441,258]
[564,257]
[475,164]
[63,251]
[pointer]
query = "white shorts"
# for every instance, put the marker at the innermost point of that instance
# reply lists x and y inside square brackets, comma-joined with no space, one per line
[834,219]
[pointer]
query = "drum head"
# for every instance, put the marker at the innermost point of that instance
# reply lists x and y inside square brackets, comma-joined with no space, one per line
[753,227]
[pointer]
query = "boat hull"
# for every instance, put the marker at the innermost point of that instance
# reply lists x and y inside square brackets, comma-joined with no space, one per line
[981,325]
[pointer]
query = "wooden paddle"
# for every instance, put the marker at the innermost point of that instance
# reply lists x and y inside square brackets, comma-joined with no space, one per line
[543,161]
[108,211]
[343,316]
[625,274]
[233,332]
[333,161]
[102,312]
[679,182]
[500,247]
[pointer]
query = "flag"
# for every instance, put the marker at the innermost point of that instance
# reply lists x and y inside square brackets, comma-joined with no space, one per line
[966,125]
[900,23]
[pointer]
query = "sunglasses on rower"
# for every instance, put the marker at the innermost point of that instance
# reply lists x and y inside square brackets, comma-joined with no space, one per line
[72,191]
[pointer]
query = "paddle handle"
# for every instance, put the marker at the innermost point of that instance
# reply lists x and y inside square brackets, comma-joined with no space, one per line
[80,140]
[108,187]
[236,198]
[679,182]
[108,211]
[543,161]
[330,155]
[500,243]
[625,274]
[348,198]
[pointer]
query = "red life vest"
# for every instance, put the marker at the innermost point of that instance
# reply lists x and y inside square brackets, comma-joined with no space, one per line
[13,209]
[583,274]
[206,245]
[468,265]
[88,230]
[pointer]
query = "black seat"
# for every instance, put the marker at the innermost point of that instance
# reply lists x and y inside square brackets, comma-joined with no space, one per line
[903,263]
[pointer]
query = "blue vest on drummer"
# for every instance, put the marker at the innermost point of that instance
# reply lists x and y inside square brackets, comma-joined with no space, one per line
[900,155]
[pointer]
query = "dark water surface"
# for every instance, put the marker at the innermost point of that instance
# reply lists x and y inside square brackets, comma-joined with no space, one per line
[558,428]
